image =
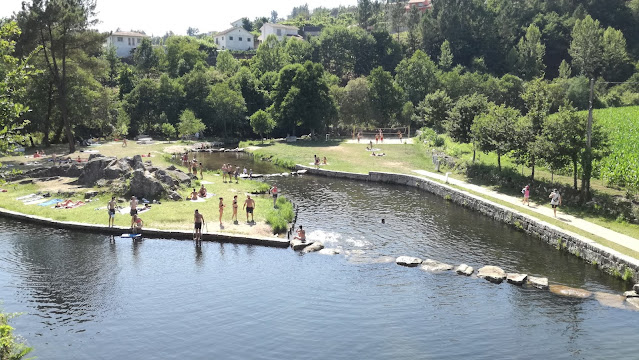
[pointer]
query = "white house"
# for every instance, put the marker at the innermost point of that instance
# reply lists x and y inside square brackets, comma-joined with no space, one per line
[279,30]
[125,42]
[235,38]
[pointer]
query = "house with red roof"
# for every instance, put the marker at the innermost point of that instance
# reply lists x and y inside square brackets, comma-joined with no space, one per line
[421,5]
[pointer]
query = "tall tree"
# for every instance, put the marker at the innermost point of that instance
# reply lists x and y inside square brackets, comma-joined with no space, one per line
[62,28]
[537,97]
[227,64]
[364,13]
[270,56]
[462,116]
[412,23]
[396,13]
[530,54]
[417,76]
[495,130]
[387,97]
[189,124]
[616,62]
[145,58]
[274,17]
[434,109]
[445,56]
[355,104]
[262,123]
[585,48]
[227,108]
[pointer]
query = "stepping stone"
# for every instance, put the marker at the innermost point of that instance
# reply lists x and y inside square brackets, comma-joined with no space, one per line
[538,282]
[516,279]
[570,292]
[329,251]
[634,302]
[408,261]
[611,300]
[316,246]
[299,245]
[464,269]
[493,274]
[435,266]
[631,294]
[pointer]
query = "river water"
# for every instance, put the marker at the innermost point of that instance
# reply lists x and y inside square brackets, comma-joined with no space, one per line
[85,296]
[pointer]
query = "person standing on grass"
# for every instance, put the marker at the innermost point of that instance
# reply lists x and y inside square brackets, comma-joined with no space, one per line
[555,200]
[249,204]
[221,205]
[526,191]
[237,174]
[234,217]
[274,193]
[223,172]
[134,205]
[111,207]
[124,144]
[199,220]
[359,136]
[376,138]
[201,171]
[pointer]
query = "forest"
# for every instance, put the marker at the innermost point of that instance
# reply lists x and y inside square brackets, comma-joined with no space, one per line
[508,77]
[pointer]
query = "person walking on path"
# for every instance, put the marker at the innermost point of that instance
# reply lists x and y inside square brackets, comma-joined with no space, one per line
[526,192]
[134,205]
[249,204]
[274,193]
[111,207]
[234,217]
[198,220]
[221,205]
[555,200]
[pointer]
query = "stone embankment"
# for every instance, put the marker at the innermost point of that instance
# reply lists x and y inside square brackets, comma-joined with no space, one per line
[609,260]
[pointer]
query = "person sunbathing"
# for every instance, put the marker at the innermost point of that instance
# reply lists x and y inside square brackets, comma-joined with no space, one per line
[203,191]
[194,195]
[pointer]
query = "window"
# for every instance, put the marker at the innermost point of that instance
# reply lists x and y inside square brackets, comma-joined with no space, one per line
[120,39]
[222,38]
[279,32]
[231,38]
[129,40]
[248,39]
[139,40]
[239,38]
[217,41]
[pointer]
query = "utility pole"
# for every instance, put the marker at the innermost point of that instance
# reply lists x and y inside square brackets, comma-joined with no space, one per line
[587,165]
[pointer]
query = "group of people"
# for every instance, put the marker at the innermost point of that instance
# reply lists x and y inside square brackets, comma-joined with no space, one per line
[317,161]
[555,198]
[198,218]
[136,221]
[202,193]
[229,171]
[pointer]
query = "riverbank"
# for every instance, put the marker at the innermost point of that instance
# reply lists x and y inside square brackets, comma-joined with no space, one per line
[605,258]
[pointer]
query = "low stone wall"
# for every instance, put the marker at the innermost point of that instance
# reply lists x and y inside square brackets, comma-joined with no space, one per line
[165,234]
[609,260]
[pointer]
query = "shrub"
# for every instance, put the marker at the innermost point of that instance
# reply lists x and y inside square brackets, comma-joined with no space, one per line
[281,216]
[627,274]
[11,346]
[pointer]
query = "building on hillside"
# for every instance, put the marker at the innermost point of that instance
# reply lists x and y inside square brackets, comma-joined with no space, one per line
[125,42]
[238,23]
[421,5]
[309,31]
[235,38]
[281,31]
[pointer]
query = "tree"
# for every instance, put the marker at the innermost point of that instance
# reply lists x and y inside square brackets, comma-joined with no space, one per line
[412,22]
[564,70]
[387,97]
[298,51]
[269,56]
[170,95]
[355,104]
[396,13]
[247,24]
[168,130]
[417,76]
[538,101]
[62,28]
[227,64]
[262,123]
[530,54]
[616,62]
[111,56]
[227,107]
[462,116]
[191,31]
[141,106]
[495,130]
[347,52]
[434,110]
[189,124]
[273,17]
[145,58]
[249,86]
[364,13]
[10,346]
[585,48]
[445,56]
[182,55]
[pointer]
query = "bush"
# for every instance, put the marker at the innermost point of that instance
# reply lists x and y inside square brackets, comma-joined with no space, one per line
[11,347]
[281,216]
[430,136]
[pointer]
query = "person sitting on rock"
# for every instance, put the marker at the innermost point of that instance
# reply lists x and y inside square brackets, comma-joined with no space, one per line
[202,191]
[301,234]
[194,194]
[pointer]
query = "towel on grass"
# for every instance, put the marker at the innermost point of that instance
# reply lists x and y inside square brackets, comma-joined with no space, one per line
[51,202]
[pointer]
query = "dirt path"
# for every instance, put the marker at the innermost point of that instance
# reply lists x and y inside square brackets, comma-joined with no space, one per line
[610,235]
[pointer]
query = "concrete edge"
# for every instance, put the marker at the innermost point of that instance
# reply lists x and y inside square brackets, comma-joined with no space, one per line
[609,260]
[163,234]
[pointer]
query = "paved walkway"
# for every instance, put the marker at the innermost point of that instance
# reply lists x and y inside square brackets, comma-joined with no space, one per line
[613,236]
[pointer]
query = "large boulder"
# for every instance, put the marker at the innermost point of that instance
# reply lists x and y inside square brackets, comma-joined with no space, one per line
[408,261]
[180,176]
[634,302]
[316,246]
[143,185]
[516,279]
[299,245]
[570,292]
[165,178]
[538,282]
[138,164]
[464,269]
[173,195]
[114,172]
[435,266]
[94,169]
[493,274]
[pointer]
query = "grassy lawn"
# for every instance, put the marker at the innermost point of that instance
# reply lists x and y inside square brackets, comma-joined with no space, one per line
[167,215]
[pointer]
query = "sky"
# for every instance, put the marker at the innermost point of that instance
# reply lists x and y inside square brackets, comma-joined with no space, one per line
[156,17]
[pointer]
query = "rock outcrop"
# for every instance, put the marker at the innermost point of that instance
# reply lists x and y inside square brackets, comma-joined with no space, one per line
[408,261]
[538,282]
[316,246]
[95,169]
[435,266]
[464,269]
[143,185]
[493,274]
[516,279]
[570,292]
[299,245]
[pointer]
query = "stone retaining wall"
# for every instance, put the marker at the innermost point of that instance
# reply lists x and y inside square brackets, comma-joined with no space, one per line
[609,260]
[166,234]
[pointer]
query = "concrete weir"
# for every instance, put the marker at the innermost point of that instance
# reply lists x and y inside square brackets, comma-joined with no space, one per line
[607,259]
[156,233]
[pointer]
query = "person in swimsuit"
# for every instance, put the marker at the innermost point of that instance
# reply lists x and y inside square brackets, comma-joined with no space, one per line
[193,194]
[199,220]
[136,224]
[202,191]
[324,161]
[111,208]
[234,217]
[201,171]
[301,234]
[249,204]
[223,172]
[274,193]
[376,138]
[134,205]
[221,205]
[195,168]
